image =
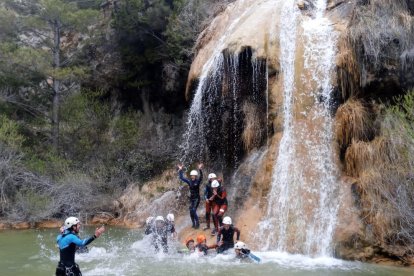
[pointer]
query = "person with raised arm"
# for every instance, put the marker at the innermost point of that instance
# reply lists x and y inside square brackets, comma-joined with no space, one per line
[194,184]
[68,241]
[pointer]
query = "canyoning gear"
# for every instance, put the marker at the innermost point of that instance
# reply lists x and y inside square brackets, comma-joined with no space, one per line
[218,213]
[227,220]
[212,175]
[170,217]
[68,243]
[159,235]
[219,205]
[193,212]
[240,245]
[72,270]
[71,221]
[193,173]
[215,184]
[194,186]
[226,236]
[149,220]
[204,247]
[209,208]
[201,238]
[160,218]
[221,197]
[208,193]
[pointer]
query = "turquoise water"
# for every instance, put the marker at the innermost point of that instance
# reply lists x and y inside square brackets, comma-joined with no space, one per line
[125,252]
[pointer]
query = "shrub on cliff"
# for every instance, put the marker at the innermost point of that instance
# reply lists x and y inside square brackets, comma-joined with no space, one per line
[384,170]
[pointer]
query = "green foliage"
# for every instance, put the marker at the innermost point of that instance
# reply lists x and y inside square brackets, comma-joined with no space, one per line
[126,130]
[84,122]
[9,133]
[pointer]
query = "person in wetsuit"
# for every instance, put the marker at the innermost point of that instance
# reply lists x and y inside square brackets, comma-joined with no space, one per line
[208,193]
[219,199]
[202,244]
[68,241]
[225,235]
[159,232]
[242,251]
[171,225]
[194,185]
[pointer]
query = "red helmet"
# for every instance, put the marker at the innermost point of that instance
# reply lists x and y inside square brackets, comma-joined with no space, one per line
[201,238]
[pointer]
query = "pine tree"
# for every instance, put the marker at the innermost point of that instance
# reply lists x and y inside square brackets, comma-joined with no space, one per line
[38,57]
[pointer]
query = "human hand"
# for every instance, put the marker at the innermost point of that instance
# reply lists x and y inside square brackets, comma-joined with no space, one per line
[200,166]
[220,243]
[99,231]
[62,229]
[180,167]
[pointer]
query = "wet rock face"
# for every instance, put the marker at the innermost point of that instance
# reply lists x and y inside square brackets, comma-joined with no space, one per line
[249,40]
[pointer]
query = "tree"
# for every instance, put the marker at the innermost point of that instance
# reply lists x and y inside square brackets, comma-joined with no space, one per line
[53,61]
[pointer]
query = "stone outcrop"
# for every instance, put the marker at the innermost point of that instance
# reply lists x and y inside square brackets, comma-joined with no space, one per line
[254,25]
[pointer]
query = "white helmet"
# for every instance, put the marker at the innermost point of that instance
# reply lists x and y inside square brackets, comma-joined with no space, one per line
[240,245]
[159,218]
[71,221]
[227,220]
[212,175]
[193,173]
[215,184]
[170,217]
[149,220]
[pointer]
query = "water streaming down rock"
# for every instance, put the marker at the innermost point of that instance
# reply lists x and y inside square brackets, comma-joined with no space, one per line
[216,118]
[233,86]
[303,201]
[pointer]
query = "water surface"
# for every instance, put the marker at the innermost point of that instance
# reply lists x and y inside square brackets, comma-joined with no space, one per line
[125,252]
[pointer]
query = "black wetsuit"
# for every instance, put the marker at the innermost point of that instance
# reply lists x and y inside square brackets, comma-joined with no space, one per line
[159,237]
[68,243]
[194,196]
[228,241]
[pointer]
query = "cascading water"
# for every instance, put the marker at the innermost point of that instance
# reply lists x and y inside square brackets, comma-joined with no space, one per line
[215,119]
[302,204]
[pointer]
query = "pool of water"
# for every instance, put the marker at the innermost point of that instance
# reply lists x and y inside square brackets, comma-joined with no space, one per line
[127,252]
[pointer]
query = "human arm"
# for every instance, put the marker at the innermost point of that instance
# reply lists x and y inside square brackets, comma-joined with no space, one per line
[223,194]
[237,231]
[219,236]
[182,178]
[200,167]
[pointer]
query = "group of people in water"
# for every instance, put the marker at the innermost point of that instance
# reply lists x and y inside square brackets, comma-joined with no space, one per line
[161,229]
[216,203]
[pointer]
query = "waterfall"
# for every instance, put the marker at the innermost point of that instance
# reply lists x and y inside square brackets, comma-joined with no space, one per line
[303,202]
[231,104]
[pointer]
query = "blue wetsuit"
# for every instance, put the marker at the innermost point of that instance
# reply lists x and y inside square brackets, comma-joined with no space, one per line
[194,195]
[68,242]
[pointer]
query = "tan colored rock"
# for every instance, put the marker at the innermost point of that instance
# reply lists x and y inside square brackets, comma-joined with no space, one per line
[49,224]
[4,225]
[20,225]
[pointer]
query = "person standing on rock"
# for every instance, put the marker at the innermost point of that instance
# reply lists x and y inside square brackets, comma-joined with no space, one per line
[68,241]
[219,199]
[194,184]
[208,192]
